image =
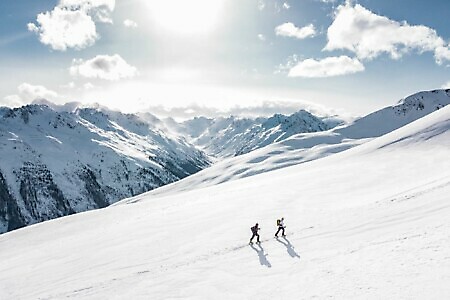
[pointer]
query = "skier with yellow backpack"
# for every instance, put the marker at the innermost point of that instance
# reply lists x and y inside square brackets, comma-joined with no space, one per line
[281,227]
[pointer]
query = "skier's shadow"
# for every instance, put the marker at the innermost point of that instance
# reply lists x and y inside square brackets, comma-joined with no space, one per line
[290,249]
[262,256]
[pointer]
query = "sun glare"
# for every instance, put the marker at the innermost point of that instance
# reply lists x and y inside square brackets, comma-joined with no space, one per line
[186,16]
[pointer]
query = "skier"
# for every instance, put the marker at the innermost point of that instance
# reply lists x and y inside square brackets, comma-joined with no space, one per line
[255,233]
[280,224]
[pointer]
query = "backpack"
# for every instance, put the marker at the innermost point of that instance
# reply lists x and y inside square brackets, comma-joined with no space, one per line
[278,222]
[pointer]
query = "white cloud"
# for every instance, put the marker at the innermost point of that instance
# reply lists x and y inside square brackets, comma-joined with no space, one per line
[27,93]
[446,85]
[286,5]
[261,5]
[71,24]
[327,67]
[62,29]
[106,67]
[88,86]
[262,37]
[70,85]
[130,23]
[290,30]
[100,9]
[12,101]
[442,54]
[369,35]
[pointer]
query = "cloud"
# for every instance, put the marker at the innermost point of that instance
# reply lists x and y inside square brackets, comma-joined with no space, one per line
[261,5]
[262,37]
[108,67]
[286,5]
[369,35]
[100,9]
[290,30]
[130,23]
[442,54]
[446,85]
[258,109]
[327,67]
[71,24]
[70,85]
[12,101]
[62,29]
[88,86]
[27,93]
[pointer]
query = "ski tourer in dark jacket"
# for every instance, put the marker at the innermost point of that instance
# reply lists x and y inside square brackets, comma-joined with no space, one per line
[255,230]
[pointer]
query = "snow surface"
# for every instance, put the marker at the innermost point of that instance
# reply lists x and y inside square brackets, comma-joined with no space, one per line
[304,147]
[369,223]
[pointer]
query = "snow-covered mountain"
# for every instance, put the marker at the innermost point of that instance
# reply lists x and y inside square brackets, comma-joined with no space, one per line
[305,147]
[370,222]
[60,160]
[233,136]
[58,163]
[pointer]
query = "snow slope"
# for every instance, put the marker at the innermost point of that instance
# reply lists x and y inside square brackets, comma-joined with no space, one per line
[58,163]
[304,147]
[368,223]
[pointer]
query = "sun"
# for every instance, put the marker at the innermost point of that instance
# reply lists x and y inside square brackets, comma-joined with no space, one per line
[186,16]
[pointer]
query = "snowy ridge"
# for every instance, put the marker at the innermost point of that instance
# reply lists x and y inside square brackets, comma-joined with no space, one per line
[306,147]
[233,136]
[67,159]
[363,223]
[60,163]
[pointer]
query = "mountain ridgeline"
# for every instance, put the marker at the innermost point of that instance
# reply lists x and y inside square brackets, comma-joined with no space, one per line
[59,163]
[56,163]
[232,136]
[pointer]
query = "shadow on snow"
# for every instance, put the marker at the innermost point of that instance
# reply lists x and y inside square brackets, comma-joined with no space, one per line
[290,249]
[262,256]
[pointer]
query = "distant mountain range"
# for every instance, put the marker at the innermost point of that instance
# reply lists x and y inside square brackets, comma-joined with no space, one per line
[233,136]
[57,161]
[304,147]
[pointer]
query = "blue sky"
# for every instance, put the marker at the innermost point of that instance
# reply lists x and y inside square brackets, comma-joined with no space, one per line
[209,56]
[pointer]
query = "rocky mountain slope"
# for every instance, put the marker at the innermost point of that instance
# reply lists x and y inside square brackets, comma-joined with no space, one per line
[233,136]
[59,163]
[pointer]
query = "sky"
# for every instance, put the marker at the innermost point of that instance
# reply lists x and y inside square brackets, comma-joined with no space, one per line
[183,58]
